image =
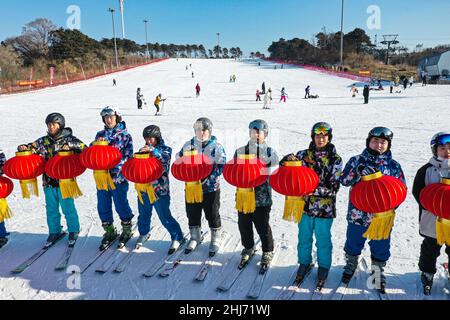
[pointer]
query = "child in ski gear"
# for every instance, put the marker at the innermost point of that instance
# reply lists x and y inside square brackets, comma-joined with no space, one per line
[283,95]
[366,94]
[376,157]
[258,132]
[139,98]
[205,143]
[354,91]
[197,90]
[116,134]
[411,81]
[320,208]
[3,233]
[437,168]
[154,144]
[307,92]
[258,95]
[267,99]
[157,102]
[58,138]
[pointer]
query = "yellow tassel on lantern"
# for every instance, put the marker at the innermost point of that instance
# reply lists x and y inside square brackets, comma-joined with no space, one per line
[381,226]
[103,180]
[443,231]
[194,192]
[245,200]
[5,211]
[29,187]
[293,209]
[148,189]
[69,189]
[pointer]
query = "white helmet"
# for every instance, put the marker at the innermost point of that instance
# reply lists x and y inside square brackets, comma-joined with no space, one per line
[111,111]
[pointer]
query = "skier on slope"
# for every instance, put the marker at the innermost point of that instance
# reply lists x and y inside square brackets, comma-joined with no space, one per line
[377,157]
[258,132]
[366,93]
[283,95]
[437,168]
[267,103]
[258,95]
[354,91]
[116,134]
[157,102]
[320,209]
[139,97]
[263,88]
[154,144]
[197,90]
[3,233]
[205,143]
[307,92]
[58,138]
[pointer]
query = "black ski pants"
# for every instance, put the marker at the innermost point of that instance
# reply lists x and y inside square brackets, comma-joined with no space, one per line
[211,207]
[260,218]
[429,252]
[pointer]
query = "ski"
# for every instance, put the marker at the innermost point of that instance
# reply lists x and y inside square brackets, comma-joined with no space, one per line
[120,267]
[296,284]
[64,261]
[160,264]
[98,255]
[341,289]
[375,293]
[23,266]
[208,262]
[170,268]
[447,280]
[317,294]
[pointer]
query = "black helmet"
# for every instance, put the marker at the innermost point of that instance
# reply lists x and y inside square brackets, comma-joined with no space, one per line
[56,118]
[322,128]
[380,132]
[439,139]
[203,124]
[259,125]
[152,131]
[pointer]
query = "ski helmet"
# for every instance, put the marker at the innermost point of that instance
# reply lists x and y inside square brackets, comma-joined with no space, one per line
[56,118]
[380,132]
[111,111]
[322,128]
[203,124]
[259,125]
[439,139]
[152,131]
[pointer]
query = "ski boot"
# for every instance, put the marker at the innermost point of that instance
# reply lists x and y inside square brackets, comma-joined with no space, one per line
[109,236]
[246,255]
[380,279]
[322,275]
[3,241]
[302,272]
[126,234]
[52,239]
[349,268]
[266,260]
[216,241]
[174,247]
[141,239]
[427,281]
[195,239]
[73,236]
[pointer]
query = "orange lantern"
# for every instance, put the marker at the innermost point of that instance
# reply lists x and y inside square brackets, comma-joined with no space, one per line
[379,195]
[6,187]
[65,167]
[246,173]
[436,199]
[101,157]
[143,169]
[26,167]
[295,181]
[191,168]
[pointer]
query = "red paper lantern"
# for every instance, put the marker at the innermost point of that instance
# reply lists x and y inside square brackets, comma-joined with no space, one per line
[245,173]
[294,181]
[143,169]
[26,167]
[101,157]
[6,187]
[191,168]
[436,199]
[380,195]
[65,167]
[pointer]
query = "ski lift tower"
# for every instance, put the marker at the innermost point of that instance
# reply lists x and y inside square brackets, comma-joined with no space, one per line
[389,40]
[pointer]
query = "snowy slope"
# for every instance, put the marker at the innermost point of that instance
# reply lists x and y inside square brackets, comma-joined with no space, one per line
[414,116]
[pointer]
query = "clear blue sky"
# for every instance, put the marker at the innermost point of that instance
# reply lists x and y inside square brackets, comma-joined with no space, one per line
[250,24]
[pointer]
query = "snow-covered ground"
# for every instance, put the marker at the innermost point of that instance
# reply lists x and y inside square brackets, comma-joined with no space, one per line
[414,116]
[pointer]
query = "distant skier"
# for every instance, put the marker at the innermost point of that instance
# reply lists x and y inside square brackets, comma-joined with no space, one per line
[411,81]
[307,92]
[258,95]
[268,99]
[234,78]
[197,90]
[139,98]
[114,83]
[392,87]
[192,74]
[366,94]
[263,88]
[3,233]
[405,83]
[283,95]
[423,75]
[157,103]
[354,91]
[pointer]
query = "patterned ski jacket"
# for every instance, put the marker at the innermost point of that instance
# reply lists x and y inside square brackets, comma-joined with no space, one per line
[216,153]
[269,156]
[119,138]
[164,154]
[49,146]
[352,175]
[328,166]
[2,161]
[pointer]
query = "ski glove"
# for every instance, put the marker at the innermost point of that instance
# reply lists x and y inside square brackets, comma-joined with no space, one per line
[289,157]
[366,171]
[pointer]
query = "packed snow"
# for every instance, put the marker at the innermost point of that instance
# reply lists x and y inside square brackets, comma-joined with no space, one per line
[414,115]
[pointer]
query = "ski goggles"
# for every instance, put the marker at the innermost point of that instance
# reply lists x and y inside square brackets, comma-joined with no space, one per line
[108,112]
[382,132]
[442,140]
[324,129]
[258,125]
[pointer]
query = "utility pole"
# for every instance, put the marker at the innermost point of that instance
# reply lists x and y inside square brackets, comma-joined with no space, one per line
[218,44]
[114,35]
[146,40]
[389,39]
[342,33]
[123,21]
